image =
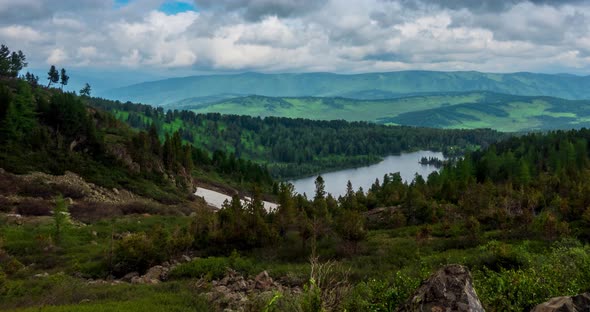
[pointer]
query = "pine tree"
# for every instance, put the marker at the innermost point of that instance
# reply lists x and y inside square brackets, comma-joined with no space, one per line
[64,78]
[86,90]
[11,63]
[52,76]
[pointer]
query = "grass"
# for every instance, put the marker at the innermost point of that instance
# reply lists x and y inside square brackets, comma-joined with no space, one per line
[388,266]
[67,294]
[333,108]
[452,110]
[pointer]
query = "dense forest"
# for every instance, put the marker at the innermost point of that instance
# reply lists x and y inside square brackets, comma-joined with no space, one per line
[297,147]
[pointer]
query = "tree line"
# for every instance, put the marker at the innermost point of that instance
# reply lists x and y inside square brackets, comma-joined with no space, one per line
[296,147]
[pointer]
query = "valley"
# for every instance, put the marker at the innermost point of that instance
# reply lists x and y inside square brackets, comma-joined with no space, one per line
[318,193]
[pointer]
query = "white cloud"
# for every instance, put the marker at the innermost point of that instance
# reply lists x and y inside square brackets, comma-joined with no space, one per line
[56,56]
[303,35]
[21,33]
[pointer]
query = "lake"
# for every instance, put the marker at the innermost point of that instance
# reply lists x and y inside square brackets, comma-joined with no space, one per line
[407,164]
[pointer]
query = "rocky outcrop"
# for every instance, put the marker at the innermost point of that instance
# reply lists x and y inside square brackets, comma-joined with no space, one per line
[576,303]
[449,289]
[234,292]
[153,276]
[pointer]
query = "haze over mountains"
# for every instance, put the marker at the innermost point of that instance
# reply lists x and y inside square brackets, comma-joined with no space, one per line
[359,86]
[507,102]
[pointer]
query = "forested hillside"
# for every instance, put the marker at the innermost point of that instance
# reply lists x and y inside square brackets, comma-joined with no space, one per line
[359,86]
[295,147]
[51,131]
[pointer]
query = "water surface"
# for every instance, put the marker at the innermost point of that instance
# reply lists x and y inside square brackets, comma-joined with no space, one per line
[407,164]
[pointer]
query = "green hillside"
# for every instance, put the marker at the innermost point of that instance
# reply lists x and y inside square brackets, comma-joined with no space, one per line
[296,147]
[446,110]
[361,86]
[504,113]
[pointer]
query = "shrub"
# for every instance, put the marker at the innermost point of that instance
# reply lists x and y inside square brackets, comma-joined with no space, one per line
[5,204]
[37,188]
[34,207]
[70,191]
[213,267]
[564,271]
[496,256]
[136,252]
[381,295]
[93,211]
[209,268]
[13,266]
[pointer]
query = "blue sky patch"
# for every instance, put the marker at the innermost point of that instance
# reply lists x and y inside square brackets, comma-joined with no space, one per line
[120,3]
[175,7]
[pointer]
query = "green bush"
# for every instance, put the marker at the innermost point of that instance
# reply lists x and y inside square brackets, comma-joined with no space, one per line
[564,271]
[209,268]
[212,267]
[136,252]
[381,295]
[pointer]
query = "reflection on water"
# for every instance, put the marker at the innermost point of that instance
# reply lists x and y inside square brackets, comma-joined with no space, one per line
[406,164]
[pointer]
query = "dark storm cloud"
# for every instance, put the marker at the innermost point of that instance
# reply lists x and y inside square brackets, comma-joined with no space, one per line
[257,9]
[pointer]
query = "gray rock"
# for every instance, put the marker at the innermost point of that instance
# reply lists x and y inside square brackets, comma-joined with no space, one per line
[157,272]
[263,280]
[576,303]
[185,258]
[449,289]
[129,276]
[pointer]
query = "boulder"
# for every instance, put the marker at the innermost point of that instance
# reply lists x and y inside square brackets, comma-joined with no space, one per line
[129,276]
[263,281]
[576,303]
[449,289]
[157,272]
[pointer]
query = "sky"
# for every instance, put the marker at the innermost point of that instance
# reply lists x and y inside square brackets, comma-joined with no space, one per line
[165,38]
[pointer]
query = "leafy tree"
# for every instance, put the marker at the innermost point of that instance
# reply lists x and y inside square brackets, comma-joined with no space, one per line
[64,78]
[52,75]
[86,90]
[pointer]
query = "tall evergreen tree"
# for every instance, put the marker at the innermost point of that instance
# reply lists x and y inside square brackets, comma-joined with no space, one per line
[64,78]
[11,63]
[52,76]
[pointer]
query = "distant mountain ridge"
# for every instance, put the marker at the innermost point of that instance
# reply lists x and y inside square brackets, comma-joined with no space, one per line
[357,86]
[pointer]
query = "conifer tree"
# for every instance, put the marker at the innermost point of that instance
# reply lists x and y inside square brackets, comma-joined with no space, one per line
[52,76]
[86,90]
[64,78]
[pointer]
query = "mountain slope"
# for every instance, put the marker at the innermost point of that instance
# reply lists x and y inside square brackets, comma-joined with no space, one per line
[364,86]
[504,113]
[445,110]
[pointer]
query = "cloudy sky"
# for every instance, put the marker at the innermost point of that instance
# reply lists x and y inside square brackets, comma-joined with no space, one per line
[167,38]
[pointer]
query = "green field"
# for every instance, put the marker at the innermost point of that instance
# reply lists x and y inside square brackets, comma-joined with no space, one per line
[449,110]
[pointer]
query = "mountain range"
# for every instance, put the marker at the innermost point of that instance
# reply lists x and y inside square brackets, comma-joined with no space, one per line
[368,86]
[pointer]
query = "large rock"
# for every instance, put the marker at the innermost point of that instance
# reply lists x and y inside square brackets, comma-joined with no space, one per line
[449,289]
[576,303]
[263,281]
